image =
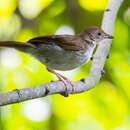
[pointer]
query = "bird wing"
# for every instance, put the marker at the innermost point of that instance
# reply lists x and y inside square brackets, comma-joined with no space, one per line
[67,42]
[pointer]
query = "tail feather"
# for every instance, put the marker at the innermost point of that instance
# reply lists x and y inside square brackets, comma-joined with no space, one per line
[14,44]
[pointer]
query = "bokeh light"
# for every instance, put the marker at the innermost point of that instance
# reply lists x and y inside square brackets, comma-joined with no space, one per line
[10,58]
[93,5]
[31,8]
[65,30]
[37,110]
[7,7]
[10,26]
[19,76]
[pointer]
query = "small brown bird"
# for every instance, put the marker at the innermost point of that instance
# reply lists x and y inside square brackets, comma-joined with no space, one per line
[62,52]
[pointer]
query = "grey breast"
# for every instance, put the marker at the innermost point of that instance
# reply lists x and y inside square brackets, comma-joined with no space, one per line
[57,58]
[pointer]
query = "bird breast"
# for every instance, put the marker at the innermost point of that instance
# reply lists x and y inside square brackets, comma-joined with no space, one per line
[57,58]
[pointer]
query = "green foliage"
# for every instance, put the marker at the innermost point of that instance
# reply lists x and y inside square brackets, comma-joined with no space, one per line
[106,107]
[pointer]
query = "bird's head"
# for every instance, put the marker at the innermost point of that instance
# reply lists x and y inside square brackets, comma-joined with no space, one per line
[96,34]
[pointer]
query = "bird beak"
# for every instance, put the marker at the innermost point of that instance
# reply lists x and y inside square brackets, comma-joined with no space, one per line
[108,36]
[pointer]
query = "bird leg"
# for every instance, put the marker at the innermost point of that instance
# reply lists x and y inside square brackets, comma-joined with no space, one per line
[64,80]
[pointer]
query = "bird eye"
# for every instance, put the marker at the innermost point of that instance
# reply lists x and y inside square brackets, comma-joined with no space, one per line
[99,33]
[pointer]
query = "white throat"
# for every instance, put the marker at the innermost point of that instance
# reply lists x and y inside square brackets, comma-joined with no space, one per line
[90,50]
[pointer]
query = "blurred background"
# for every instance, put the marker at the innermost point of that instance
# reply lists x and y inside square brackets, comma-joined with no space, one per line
[106,107]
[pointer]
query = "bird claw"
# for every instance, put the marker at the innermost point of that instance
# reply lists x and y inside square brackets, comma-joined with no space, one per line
[66,81]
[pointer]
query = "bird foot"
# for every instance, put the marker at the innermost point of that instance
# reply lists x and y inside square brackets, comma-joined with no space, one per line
[65,80]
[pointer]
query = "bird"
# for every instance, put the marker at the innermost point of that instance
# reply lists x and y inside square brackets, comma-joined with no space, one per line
[62,52]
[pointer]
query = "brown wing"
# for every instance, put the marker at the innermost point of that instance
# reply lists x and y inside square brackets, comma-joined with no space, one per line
[68,42]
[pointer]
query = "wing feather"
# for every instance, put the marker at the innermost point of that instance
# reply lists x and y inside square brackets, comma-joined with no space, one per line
[67,42]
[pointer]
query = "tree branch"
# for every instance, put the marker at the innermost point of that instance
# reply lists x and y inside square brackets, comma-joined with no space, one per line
[89,82]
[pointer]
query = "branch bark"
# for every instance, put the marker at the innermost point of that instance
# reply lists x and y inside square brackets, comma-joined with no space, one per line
[89,82]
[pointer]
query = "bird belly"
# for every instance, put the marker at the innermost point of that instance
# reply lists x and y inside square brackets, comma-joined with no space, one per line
[57,58]
[68,61]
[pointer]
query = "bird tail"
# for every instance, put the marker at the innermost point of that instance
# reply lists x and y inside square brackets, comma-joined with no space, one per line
[14,44]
